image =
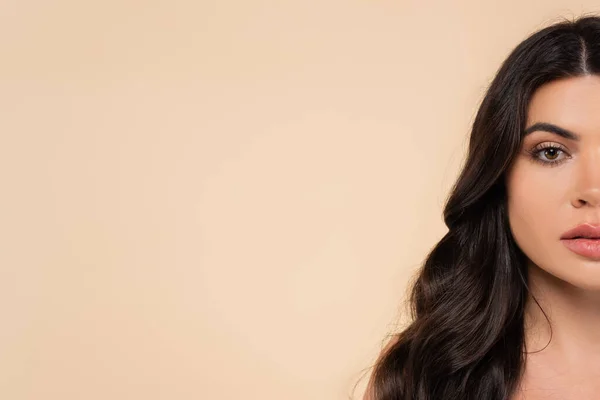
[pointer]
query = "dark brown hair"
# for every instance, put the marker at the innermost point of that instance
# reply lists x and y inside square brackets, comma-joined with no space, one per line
[466,338]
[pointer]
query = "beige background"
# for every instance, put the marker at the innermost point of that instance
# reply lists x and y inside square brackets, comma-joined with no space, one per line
[226,199]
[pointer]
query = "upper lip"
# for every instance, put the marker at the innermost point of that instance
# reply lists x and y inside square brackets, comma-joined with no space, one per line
[584,230]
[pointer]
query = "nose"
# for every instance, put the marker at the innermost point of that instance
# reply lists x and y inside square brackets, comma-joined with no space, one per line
[589,198]
[588,180]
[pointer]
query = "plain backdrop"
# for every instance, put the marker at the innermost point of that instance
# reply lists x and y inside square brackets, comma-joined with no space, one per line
[227,199]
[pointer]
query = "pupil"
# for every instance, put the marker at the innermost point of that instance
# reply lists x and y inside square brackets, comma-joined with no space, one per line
[552,152]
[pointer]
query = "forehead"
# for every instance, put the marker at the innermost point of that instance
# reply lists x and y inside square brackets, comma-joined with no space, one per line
[572,103]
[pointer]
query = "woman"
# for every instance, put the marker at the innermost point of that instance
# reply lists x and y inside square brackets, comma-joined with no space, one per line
[507,304]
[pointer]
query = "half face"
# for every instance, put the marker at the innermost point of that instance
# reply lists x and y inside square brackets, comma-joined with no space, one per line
[553,184]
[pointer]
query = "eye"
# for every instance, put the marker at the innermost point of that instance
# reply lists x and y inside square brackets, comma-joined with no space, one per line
[548,154]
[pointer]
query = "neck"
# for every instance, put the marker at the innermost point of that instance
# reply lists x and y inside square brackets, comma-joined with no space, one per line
[573,321]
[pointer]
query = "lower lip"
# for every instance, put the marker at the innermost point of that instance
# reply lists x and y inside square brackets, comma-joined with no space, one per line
[585,247]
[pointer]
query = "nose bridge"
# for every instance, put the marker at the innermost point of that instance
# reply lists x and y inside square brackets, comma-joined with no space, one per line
[588,178]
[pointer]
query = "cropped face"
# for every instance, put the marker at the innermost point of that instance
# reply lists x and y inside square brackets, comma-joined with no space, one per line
[554,183]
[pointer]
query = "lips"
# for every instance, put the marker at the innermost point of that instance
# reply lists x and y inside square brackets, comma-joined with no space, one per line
[583,240]
[587,231]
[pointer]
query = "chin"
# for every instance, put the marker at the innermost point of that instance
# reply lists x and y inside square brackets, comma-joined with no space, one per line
[577,272]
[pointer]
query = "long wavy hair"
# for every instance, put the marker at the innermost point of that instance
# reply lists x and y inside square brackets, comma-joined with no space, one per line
[467,338]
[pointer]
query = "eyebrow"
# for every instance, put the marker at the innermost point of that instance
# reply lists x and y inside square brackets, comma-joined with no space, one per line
[548,127]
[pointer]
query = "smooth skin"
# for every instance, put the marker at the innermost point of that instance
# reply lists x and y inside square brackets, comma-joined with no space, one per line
[544,201]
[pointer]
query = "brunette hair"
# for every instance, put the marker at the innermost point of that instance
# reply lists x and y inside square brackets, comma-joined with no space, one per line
[466,338]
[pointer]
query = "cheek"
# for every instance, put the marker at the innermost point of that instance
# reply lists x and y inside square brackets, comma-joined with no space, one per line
[539,211]
[533,206]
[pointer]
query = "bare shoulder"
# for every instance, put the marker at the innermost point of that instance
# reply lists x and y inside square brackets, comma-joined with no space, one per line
[369,395]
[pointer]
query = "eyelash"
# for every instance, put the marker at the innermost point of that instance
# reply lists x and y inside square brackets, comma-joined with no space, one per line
[545,146]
